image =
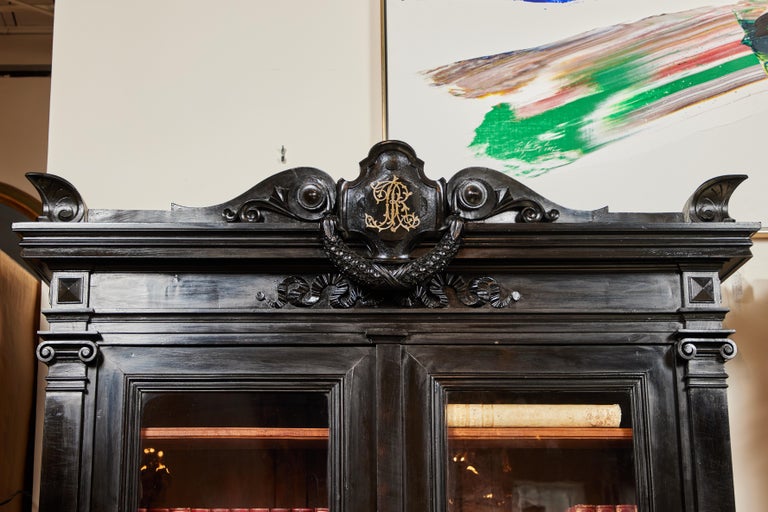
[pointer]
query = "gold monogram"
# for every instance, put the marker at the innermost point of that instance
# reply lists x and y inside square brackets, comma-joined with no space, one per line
[397,215]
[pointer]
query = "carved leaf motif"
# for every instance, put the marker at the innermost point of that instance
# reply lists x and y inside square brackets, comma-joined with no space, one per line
[61,201]
[710,201]
[477,293]
[528,210]
[337,292]
[295,290]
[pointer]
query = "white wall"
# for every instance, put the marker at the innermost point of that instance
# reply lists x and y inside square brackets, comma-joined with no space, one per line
[150,99]
[746,293]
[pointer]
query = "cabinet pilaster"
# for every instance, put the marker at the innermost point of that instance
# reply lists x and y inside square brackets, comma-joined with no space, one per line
[68,356]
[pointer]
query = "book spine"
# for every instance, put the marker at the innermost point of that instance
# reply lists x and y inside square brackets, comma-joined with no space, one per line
[582,508]
[605,508]
[237,509]
[626,508]
[533,415]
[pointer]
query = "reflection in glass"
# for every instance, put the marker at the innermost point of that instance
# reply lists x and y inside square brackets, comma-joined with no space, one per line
[538,452]
[234,450]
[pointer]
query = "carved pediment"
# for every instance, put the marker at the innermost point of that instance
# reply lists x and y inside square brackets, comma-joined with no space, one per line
[370,227]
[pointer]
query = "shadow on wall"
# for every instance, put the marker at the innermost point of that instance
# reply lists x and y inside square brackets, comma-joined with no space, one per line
[748,386]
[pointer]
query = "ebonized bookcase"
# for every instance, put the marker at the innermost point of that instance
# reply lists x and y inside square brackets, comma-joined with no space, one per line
[297,346]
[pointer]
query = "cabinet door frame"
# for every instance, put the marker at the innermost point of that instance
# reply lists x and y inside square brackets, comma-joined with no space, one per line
[343,374]
[643,372]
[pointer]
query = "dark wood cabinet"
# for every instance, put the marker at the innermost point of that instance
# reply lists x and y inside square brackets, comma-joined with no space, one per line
[392,343]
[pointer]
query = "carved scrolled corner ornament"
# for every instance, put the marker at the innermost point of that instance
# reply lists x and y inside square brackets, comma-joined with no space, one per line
[61,201]
[710,201]
[304,194]
[478,193]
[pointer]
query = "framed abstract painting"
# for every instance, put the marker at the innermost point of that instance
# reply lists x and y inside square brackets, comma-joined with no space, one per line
[574,97]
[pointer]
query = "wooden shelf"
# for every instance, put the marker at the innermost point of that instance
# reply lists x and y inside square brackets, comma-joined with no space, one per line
[235,437]
[295,434]
[583,437]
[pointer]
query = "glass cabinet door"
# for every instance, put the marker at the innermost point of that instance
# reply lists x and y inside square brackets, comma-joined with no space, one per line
[539,452]
[508,430]
[233,428]
[241,451]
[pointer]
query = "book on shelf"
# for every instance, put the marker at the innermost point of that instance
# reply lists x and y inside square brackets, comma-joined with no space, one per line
[533,415]
[602,508]
[235,509]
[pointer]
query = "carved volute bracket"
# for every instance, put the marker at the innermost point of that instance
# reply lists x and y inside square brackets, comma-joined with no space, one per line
[695,343]
[705,352]
[690,349]
[68,354]
[50,352]
[68,346]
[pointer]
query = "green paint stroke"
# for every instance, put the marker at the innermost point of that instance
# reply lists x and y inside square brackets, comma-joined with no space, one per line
[532,146]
